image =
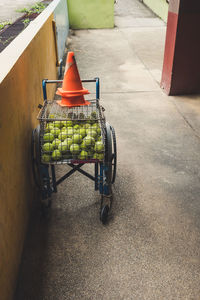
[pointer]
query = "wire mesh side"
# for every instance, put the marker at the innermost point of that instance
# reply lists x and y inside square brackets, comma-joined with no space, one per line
[72,135]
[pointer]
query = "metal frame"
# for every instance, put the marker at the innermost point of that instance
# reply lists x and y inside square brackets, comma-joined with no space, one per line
[103,176]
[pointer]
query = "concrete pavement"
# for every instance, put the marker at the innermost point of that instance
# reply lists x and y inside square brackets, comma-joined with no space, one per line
[8,9]
[150,249]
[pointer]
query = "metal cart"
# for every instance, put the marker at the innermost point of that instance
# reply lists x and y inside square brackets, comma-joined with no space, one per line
[104,165]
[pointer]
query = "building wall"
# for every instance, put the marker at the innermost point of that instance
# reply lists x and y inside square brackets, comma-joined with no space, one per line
[20,94]
[91,13]
[159,7]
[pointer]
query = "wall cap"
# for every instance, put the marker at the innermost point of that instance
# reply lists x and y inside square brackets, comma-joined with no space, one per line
[10,55]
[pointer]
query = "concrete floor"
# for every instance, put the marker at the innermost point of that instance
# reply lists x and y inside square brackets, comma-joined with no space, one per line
[150,249]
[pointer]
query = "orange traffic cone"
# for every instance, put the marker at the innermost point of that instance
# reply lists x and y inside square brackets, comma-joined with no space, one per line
[72,90]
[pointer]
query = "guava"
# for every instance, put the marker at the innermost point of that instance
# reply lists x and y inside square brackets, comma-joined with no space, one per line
[86,125]
[64,128]
[83,155]
[64,123]
[48,137]
[48,127]
[56,155]
[89,141]
[55,143]
[77,139]
[99,147]
[58,124]
[51,116]
[70,132]
[99,139]
[62,136]
[69,123]
[99,156]
[68,142]
[94,115]
[76,126]
[83,146]
[95,126]
[63,147]
[91,132]
[55,131]
[74,149]
[82,132]
[46,158]
[47,147]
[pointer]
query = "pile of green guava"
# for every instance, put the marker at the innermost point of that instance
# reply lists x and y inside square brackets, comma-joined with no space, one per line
[67,139]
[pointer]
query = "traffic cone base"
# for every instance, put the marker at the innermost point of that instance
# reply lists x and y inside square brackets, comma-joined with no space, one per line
[77,101]
[69,94]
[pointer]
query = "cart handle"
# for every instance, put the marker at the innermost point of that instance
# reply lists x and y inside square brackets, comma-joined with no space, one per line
[45,81]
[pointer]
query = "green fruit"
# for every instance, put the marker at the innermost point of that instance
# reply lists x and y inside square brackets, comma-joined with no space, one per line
[56,155]
[82,132]
[99,156]
[55,143]
[48,137]
[48,127]
[68,141]
[76,126]
[46,158]
[83,155]
[83,146]
[62,136]
[89,141]
[86,125]
[99,139]
[63,129]
[74,149]
[64,123]
[63,147]
[77,139]
[95,126]
[55,131]
[94,115]
[58,124]
[70,132]
[52,116]
[47,147]
[91,132]
[99,147]
[69,123]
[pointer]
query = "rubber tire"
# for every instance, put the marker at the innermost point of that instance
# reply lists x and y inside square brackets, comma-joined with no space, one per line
[104,214]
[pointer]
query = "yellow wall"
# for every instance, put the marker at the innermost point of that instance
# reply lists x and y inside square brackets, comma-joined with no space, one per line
[20,94]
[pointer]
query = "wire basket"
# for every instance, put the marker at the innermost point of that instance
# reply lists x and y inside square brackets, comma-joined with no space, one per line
[71,135]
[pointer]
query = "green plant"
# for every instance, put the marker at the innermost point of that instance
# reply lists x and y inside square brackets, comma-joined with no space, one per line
[26,22]
[36,8]
[3,24]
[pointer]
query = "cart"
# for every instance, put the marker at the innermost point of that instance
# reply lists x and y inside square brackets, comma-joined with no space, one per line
[105,161]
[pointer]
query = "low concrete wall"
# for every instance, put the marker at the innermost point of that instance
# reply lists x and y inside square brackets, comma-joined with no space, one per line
[159,7]
[91,13]
[30,58]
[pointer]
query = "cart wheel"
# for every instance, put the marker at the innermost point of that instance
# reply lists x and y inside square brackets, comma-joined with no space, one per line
[111,154]
[35,155]
[45,207]
[104,214]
